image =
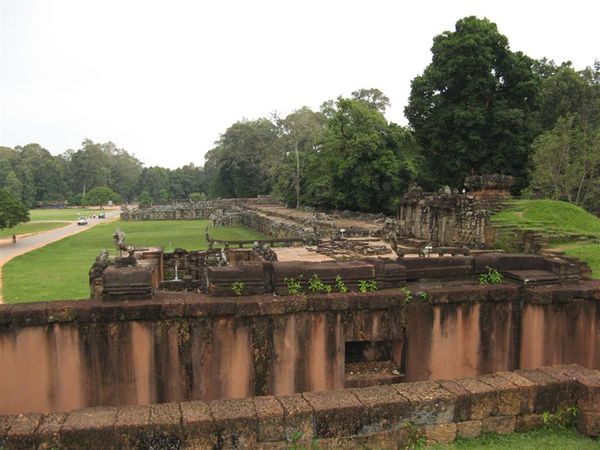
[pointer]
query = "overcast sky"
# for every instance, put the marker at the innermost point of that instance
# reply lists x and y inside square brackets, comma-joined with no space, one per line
[164,79]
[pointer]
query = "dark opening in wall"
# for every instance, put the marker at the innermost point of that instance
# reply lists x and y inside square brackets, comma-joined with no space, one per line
[368,351]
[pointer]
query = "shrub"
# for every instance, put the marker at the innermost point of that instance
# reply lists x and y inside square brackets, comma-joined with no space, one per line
[406,294]
[316,285]
[238,287]
[492,276]
[294,286]
[340,285]
[367,286]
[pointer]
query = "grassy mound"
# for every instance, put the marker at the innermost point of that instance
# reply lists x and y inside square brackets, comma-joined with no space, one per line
[551,217]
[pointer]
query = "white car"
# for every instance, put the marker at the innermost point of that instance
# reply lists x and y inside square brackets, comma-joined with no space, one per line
[82,221]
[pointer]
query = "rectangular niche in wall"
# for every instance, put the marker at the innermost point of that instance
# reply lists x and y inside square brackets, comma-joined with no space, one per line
[370,363]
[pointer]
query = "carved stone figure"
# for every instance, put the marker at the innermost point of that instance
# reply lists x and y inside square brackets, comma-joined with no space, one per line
[119,241]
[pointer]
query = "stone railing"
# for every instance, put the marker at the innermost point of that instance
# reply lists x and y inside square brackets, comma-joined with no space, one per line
[375,417]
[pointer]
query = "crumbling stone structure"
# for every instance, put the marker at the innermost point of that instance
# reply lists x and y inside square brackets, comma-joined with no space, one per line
[451,218]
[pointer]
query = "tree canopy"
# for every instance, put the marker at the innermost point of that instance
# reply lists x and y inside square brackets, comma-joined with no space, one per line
[472,108]
[12,211]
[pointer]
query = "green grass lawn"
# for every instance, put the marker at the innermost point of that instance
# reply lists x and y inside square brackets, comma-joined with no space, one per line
[569,228]
[60,270]
[549,216]
[31,227]
[60,214]
[545,439]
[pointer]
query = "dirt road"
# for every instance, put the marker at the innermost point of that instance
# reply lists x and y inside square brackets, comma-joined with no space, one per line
[8,250]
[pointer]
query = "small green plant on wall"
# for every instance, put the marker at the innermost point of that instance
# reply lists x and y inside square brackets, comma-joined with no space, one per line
[340,285]
[406,294]
[238,287]
[367,286]
[561,418]
[294,286]
[316,285]
[492,276]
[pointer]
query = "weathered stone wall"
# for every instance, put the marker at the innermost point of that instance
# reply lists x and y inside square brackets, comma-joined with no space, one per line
[447,219]
[178,347]
[193,210]
[392,416]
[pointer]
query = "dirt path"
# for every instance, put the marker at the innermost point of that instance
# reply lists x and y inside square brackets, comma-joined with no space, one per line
[29,242]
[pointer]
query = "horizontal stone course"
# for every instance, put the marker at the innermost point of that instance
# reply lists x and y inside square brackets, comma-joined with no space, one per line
[385,415]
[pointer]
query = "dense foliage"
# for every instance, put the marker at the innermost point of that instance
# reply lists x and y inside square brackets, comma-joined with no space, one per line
[473,107]
[12,211]
[477,108]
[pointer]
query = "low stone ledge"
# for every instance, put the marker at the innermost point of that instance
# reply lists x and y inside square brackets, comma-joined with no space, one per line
[379,416]
[130,425]
[234,423]
[482,397]
[48,433]
[386,409]
[507,396]
[430,402]
[550,392]
[270,416]
[298,416]
[88,428]
[526,387]
[336,413]
[21,435]
[197,422]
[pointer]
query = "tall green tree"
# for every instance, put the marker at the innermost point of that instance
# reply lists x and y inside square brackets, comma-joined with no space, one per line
[100,196]
[566,162]
[300,137]
[12,211]
[472,109]
[243,160]
[364,163]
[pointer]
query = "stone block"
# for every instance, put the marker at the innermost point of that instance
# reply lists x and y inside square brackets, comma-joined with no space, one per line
[47,434]
[528,422]
[588,421]
[527,389]
[5,423]
[131,424]
[271,422]
[89,428]
[498,424]
[234,423]
[299,416]
[21,435]
[197,425]
[165,429]
[386,408]
[468,429]
[336,413]
[441,433]
[482,397]
[430,403]
[508,397]
[462,405]
[588,383]
[551,393]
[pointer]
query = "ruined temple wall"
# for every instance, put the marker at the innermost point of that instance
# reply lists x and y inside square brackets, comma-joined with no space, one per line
[69,355]
[447,219]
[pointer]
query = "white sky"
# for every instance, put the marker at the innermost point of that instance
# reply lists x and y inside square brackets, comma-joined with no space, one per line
[164,79]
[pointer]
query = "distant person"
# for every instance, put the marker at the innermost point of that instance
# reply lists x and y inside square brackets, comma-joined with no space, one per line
[14,237]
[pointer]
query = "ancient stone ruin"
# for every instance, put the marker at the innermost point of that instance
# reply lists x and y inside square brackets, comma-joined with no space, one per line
[348,330]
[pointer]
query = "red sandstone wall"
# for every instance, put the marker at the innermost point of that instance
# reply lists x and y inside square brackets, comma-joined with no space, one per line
[154,352]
